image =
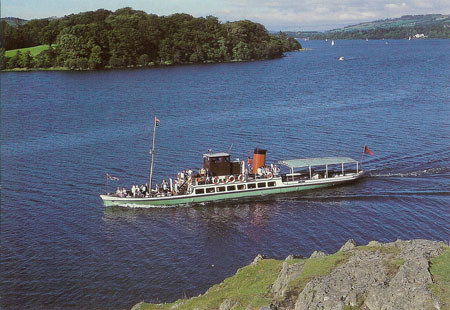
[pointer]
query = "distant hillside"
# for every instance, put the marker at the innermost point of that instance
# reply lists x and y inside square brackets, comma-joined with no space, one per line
[14,21]
[404,21]
[431,26]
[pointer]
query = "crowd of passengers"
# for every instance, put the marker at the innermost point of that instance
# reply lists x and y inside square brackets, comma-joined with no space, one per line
[185,180]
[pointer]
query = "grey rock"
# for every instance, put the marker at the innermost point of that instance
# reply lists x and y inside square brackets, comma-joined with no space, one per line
[349,245]
[257,259]
[287,273]
[229,304]
[317,254]
[137,306]
[388,279]
[375,244]
[291,256]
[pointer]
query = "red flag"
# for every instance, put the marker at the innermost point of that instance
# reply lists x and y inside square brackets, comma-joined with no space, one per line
[367,150]
[157,121]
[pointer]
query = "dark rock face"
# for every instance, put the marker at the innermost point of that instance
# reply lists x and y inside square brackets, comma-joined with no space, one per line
[380,276]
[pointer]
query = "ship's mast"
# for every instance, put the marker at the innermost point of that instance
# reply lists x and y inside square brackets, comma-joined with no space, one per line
[152,152]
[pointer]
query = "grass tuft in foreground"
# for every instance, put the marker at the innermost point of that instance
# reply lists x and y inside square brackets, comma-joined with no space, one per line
[249,286]
[440,269]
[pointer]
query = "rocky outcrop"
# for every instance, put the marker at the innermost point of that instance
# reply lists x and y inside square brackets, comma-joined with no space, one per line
[377,276]
[287,273]
[381,276]
[229,304]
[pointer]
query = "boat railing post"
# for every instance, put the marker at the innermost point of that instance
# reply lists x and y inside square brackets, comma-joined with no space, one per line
[326,171]
[357,168]
[342,169]
[310,173]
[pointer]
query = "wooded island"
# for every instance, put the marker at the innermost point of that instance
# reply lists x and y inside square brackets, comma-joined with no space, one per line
[129,38]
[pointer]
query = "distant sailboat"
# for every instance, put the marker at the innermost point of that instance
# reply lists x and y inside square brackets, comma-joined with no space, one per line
[341,58]
[332,42]
[409,38]
[367,39]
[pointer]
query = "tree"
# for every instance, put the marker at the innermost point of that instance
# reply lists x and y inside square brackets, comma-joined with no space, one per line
[143,60]
[3,59]
[45,59]
[49,34]
[241,52]
[13,62]
[95,59]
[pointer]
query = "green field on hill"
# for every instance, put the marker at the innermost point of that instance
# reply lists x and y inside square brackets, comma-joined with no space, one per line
[35,50]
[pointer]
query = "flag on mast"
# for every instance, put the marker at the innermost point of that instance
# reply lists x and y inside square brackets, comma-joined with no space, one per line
[110,177]
[157,121]
[367,150]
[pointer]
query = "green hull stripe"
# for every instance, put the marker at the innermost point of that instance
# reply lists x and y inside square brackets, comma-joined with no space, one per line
[229,195]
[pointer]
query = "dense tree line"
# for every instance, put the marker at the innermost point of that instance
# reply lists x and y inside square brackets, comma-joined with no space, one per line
[126,37]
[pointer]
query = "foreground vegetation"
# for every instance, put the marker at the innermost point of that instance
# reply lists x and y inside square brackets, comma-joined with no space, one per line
[440,269]
[127,38]
[252,287]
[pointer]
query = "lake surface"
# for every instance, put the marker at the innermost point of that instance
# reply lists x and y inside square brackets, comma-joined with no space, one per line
[61,131]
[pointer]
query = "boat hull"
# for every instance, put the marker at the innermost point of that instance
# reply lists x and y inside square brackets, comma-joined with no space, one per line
[282,187]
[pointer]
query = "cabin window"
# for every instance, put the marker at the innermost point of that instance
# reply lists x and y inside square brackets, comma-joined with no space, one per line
[241,187]
[251,185]
[200,191]
[231,188]
[210,190]
[271,184]
[221,189]
[263,184]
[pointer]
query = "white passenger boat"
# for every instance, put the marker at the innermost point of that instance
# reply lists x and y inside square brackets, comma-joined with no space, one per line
[221,179]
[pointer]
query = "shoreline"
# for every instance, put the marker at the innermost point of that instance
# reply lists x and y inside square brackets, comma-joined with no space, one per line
[409,274]
[152,65]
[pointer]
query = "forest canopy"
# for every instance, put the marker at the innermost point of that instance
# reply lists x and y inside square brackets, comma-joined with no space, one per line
[127,38]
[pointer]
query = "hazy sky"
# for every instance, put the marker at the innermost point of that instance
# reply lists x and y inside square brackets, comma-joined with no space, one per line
[275,14]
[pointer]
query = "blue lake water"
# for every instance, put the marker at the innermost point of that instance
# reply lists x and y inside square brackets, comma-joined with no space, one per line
[61,131]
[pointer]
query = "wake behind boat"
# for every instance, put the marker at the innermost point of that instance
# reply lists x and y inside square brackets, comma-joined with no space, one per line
[221,179]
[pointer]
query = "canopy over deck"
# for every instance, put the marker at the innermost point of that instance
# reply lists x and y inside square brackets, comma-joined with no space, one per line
[211,155]
[320,161]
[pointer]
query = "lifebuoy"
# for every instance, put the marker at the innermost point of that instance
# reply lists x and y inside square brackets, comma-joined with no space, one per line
[231,179]
[269,175]
[241,178]
[216,180]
